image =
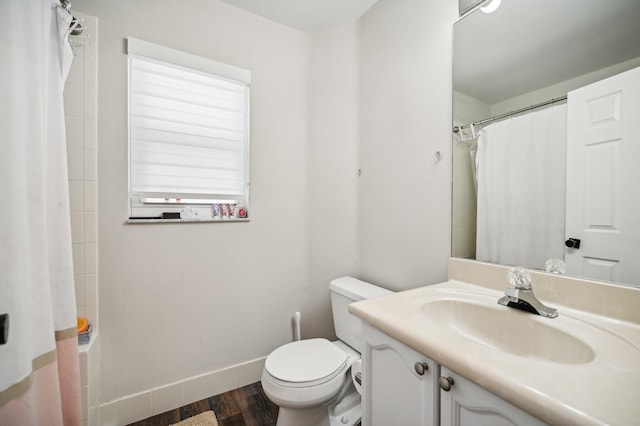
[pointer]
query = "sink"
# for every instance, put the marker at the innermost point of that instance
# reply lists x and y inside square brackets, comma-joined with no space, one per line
[506,329]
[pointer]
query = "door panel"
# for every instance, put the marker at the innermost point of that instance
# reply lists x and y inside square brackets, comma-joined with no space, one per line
[603,179]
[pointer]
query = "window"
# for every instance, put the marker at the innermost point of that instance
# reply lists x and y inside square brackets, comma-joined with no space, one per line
[188,136]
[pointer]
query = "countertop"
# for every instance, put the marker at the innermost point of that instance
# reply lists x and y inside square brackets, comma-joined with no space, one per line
[601,390]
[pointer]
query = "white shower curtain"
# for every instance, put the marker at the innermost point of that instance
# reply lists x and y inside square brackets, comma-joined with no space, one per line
[521,189]
[39,367]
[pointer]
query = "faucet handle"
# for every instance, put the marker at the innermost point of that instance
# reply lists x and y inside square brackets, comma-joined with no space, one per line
[519,277]
[555,266]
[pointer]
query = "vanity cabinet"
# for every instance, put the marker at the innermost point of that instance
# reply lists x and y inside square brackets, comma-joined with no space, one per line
[400,384]
[463,403]
[402,387]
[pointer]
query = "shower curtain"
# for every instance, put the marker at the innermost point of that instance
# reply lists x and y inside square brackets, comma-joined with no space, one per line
[39,366]
[521,189]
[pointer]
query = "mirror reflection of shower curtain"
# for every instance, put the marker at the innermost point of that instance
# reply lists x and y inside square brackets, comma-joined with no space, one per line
[521,189]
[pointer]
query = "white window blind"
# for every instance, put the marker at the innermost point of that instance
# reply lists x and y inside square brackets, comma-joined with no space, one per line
[188,127]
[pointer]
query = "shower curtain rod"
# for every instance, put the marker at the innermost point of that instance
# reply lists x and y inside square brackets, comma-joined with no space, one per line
[456,129]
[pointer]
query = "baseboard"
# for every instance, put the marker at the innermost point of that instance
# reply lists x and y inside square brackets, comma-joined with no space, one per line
[139,406]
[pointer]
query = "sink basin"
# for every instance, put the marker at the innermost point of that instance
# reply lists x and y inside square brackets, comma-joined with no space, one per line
[508,330]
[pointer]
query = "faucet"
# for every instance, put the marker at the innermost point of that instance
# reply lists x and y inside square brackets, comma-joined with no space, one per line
[522,297]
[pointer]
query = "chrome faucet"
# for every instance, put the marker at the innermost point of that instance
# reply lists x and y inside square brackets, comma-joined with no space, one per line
[522,297]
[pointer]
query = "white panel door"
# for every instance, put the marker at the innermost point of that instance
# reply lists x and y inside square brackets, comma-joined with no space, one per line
[603,179]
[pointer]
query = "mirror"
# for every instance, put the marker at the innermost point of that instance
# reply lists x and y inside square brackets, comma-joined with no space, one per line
[523,54]
[466,5]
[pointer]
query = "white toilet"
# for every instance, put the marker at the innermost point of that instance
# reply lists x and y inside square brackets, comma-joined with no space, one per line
[310,379]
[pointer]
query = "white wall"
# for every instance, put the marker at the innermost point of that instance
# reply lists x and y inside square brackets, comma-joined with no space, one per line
[178,300]
[560,89]
[405,117]
[463,199]
[333,165]
[80,105]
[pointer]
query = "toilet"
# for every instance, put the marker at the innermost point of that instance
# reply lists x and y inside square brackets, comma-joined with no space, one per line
[310,380]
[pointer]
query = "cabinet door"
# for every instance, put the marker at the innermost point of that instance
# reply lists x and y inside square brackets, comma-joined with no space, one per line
[400,386]
[467,404]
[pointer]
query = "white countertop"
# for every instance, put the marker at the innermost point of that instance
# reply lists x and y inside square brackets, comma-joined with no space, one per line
[602,390]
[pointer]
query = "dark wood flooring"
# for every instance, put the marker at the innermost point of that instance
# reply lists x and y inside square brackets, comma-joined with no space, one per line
[246,406]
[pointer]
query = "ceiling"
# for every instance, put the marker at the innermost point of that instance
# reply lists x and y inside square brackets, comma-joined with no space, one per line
[307,15]
[568,31]
[525,45]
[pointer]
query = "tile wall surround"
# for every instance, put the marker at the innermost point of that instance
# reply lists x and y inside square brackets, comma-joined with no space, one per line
[146,404]
[90,382]
[80,103]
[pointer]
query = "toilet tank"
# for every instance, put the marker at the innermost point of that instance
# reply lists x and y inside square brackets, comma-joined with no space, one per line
[344,291]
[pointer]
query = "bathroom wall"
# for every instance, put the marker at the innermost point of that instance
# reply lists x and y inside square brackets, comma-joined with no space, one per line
[80,103]
[333,163]
[405,118]
[187,309]
[562,88]
[181,300]
[463,199]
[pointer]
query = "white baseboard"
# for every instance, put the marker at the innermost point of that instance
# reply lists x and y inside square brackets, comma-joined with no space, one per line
[142,405]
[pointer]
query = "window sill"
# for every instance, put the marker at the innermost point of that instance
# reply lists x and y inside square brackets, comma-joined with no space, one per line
[196,220]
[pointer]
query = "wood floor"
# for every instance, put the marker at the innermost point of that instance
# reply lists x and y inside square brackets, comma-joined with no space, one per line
[247,406]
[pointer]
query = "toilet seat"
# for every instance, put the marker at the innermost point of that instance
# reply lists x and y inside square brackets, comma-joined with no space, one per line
[306,363]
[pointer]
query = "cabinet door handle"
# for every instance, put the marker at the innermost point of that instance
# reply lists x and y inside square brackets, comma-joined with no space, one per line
[446,383]
[420,367]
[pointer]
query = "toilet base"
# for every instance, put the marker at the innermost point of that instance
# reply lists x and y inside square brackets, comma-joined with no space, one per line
[347,412]
[316,416]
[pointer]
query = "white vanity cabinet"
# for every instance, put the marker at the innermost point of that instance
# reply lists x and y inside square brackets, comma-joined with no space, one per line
[402,387]
[400,384]
[463,403]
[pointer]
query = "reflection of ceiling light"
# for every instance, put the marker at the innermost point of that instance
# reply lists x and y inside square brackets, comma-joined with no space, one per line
[491,6]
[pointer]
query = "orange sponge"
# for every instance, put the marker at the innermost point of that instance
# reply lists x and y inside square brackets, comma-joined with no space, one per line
[83,324]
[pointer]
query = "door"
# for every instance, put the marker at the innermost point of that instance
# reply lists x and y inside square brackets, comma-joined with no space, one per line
[603,179]
[400,387]
[463,403]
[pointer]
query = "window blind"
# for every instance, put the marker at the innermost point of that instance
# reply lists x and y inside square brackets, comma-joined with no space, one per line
[188,130]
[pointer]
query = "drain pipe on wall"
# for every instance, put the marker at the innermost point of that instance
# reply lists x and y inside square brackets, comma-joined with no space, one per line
[296,326]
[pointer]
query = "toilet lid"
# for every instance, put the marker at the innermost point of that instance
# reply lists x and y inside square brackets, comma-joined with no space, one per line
[305,361]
